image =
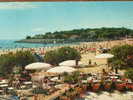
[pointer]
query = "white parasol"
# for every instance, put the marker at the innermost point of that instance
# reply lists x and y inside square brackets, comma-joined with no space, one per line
[61,69]
[70,63]
[38,66]
[104,56]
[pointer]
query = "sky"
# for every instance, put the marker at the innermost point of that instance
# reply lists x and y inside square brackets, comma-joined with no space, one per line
[19,19]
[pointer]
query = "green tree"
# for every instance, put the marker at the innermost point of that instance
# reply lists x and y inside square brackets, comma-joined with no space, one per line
[24,58]
[28,37]
[123,56]
[18,59]
[129,74]
[51,57]
[7,63]
[62,54]
[68,53]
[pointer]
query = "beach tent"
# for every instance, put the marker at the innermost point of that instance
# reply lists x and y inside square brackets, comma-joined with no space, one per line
[38,66]
[104,56]
[61,69]
[70,63]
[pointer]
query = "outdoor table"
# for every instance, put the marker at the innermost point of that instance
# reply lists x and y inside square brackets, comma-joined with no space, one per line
[119,80]
[3,82]
[108,80]
[89,78]
[54,79]
[1,91]
[84,81]
[114,77]
[4,85]
[129,81]
[10,88]
[34,86]
[95,81]
[60,86]
[26,83]
[117,74]
[23,86]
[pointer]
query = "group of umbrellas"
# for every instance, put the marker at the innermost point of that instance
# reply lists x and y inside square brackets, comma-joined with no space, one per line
[65,66]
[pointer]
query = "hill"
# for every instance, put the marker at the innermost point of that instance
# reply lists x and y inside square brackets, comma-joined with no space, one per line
[81,35]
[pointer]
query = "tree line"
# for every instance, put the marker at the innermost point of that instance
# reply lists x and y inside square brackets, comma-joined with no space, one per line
[87,34]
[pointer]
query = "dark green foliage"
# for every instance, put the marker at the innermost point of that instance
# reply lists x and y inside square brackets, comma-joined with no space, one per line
[72,78]
[87,34]
[51,57]
[129,74]
[62,54]
[113,85]
[9,61]
[24,57]
[28,37]
[39,90]
[67,53]
[6,63]
[123,56]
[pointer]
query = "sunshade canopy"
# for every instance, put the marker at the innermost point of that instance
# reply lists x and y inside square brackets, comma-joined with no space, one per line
[38,65]
[104,56]
[61,69]
[70,63]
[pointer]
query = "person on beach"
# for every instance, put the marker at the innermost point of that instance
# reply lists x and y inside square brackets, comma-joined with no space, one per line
[90,62]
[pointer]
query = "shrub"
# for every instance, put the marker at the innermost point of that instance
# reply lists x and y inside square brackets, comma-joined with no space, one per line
[51,57]
[10,60]
[129,74]
[123,56]
[39,91]
[67,53]
[72,78]
[62,54]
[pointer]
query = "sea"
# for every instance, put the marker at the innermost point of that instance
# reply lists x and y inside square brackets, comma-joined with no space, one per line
[11,44]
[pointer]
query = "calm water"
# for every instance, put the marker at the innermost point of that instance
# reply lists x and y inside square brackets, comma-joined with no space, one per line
[11,44]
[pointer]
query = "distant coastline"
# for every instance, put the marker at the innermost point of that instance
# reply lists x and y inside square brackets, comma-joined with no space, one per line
[41,41]
[51,41]
[80,35]
[61,41]
[30,41]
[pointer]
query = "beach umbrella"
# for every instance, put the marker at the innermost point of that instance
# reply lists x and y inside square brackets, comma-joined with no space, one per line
[38,66]
[70,63]
[61,69]
[104,56]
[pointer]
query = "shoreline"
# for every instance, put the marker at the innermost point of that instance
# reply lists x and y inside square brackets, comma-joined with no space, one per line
[97,45]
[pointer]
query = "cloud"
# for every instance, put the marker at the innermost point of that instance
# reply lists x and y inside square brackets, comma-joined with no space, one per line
[16,5]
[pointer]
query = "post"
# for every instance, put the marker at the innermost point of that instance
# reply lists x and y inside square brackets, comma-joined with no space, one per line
[77,61]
